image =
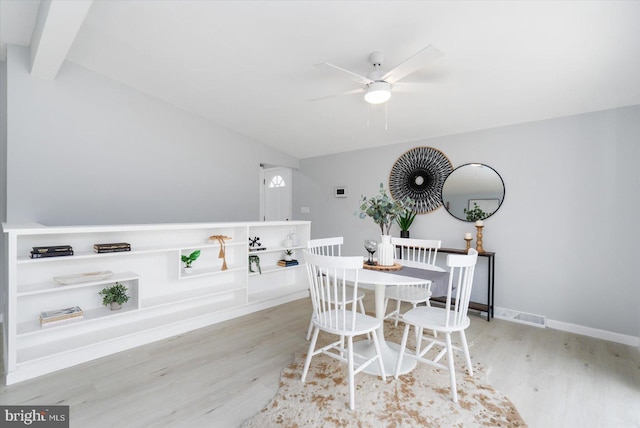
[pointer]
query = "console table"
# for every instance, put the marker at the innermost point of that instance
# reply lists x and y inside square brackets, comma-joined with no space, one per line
[491,260]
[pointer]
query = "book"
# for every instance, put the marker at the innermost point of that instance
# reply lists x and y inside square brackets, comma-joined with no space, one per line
[111,250]
[287,263]
[122,246]
[59,315]
[52,249]
[62,321]
[36,255]
[257,249]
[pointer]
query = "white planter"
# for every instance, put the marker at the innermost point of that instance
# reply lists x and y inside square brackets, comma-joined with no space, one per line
[385,251]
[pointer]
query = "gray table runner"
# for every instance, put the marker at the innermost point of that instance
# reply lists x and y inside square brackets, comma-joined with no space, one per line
[439,280]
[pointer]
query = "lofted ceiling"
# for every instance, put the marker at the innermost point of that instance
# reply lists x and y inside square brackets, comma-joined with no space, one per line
[250,66]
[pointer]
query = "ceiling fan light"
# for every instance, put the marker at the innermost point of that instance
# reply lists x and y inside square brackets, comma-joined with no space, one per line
[378,93]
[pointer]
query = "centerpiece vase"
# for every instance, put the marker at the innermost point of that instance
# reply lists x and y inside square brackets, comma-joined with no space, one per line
[385,251]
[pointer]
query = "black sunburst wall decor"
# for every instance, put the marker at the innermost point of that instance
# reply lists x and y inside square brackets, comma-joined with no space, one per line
[419,174]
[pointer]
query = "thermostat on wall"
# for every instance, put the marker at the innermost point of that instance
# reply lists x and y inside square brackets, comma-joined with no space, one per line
[340,192]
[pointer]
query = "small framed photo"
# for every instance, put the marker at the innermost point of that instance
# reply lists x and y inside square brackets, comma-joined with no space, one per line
[340,192]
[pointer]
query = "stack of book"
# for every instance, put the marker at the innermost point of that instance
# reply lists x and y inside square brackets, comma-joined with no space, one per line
[111,248]
[287,263]
[60,316]
[54,251]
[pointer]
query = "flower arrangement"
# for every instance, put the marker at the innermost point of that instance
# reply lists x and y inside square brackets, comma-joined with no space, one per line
[383,209]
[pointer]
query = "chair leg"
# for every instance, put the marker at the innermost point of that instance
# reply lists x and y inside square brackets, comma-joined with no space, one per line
[376,345]
[352,391]
[397,312]
[467,356]
[403,347]
[361,305]
[310,329]
[452,371]
[307,361]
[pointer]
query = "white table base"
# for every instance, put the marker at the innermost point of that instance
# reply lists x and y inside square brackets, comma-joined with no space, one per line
[389,351]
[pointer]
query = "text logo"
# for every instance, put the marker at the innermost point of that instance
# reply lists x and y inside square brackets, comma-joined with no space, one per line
[34,416]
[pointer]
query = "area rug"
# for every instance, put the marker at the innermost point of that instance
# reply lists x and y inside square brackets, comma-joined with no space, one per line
[421,398]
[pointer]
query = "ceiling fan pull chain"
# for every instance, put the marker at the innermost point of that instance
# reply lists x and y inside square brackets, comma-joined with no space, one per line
[386,116]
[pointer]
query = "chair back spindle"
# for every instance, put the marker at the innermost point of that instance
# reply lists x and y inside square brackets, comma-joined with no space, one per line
[334,304]
[326,246]
[461,278]
[417,250]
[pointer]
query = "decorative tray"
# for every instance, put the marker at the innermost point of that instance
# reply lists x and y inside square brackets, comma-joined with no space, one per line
[82,277]
[396,266]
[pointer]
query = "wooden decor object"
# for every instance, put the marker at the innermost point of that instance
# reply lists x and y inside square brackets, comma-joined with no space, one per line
[468,247]
[222,254]
[479,239]
[395,266]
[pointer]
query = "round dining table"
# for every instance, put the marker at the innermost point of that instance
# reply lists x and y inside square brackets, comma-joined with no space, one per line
[378,280]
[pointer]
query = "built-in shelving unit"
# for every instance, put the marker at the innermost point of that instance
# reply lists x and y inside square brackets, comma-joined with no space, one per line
[164,300]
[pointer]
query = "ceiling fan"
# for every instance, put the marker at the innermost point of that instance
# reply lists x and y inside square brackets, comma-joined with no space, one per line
[379,84]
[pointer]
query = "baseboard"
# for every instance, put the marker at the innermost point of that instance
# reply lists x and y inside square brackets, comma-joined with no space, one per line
[542,322]
[520,317]
[594,332]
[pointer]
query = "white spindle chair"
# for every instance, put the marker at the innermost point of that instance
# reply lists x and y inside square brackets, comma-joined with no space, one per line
[334,312]
[420,253]
[452,318]
[329,247]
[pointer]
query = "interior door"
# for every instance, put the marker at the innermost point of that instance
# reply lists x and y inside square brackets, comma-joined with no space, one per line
[277,194]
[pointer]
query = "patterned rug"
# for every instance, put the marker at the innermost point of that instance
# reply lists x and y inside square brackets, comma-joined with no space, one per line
[421,398]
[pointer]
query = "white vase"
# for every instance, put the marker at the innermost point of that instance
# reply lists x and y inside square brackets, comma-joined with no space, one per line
[385,251]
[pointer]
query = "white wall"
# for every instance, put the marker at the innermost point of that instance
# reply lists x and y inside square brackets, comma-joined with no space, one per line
[84,149]
[564,237]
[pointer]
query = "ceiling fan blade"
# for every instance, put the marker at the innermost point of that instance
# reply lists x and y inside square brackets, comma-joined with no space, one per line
[417,87]
[355,76]
[420,59]
[355,91]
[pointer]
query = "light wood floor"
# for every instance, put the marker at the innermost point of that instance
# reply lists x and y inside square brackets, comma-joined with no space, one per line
[220,375]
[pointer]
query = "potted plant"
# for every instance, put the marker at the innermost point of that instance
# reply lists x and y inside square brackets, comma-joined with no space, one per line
[114,296]
[476,213]
[288,255]
[405,220]
[384,211]
[187,260]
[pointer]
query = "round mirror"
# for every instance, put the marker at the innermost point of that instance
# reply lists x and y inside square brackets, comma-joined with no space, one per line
[473,192]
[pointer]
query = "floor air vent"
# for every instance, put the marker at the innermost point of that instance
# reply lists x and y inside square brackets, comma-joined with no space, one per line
[521,317]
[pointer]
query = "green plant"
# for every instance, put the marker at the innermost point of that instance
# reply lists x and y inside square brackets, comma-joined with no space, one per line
[405,220]
[187,260]
[115,294]
[288,252]
[383,209]
[476,213]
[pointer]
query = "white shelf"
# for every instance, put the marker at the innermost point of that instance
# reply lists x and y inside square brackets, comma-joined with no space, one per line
[275,249]
[271,269]
[197,273]
[260,296]
[163,302]
[77,255]
[54,287]
[194,294]
[34,327]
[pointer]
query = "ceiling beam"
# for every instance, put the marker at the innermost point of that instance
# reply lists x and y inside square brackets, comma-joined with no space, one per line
[56,27]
